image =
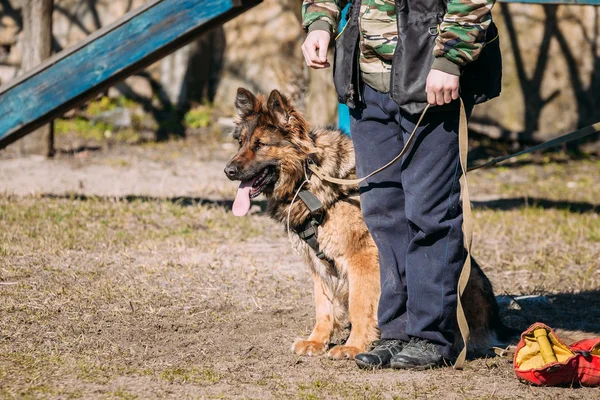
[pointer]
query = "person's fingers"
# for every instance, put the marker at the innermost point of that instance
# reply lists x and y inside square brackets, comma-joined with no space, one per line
[447,96]
[311,52]
[439,97]
[430,96]
[314,49]
[434,93]
[455,94]
[310,55]
[305,54]
[314,57]
[323,44]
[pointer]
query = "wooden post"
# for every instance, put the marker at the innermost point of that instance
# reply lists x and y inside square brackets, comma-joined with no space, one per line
[174,76]
[37,46]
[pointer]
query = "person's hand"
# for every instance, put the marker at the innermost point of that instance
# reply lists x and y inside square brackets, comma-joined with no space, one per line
[441,87]
[314,49]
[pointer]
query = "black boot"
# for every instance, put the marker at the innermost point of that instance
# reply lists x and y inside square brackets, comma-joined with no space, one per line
[380,354]
[418,354]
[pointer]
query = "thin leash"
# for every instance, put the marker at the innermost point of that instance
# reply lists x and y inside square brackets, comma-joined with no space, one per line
[317,170]
[575,135]
[578,134]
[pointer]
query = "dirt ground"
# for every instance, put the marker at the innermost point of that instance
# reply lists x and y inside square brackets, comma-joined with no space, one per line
[123,274]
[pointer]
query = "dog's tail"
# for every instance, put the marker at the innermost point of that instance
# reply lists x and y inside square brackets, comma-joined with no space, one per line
[487,328]
[505,334]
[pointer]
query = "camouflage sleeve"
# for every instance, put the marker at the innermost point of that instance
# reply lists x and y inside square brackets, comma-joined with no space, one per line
[321,14]
[462,34]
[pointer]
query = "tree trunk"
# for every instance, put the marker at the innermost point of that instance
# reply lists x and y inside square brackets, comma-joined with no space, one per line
[321,104]
[174,76]
[37,46]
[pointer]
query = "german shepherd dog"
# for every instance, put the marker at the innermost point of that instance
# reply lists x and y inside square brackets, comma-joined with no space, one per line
[276,144]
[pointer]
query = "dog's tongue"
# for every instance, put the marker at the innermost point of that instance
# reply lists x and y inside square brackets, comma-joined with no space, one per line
[241,204]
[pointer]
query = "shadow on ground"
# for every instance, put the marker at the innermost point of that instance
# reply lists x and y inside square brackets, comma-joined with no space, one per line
[499,204]
[564,311]
[523,202]
[184,201]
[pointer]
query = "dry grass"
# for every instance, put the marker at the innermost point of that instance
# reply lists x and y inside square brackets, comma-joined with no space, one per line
[104,298]
[543,224]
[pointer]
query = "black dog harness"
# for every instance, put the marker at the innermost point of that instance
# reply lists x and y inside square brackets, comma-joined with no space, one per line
[308,231]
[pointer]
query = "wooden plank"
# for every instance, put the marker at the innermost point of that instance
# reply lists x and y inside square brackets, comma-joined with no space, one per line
[72,49]
[111,54]
[566,2]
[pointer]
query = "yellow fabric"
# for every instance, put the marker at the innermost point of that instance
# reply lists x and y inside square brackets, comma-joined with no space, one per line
[530,355]
[546,351]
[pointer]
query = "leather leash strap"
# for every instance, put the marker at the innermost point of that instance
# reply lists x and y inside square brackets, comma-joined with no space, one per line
[463,144]
[463,280]
[508,352]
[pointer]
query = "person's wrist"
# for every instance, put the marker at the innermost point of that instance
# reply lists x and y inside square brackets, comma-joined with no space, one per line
[320,25]
[445,65]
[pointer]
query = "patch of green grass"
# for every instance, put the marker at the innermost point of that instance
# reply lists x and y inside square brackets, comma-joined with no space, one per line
[93,373]
[125,135]
[190,375]
[25,366]
[198,117]
[5,251]
[99,106]
[100,131]
[331,388]
[83,128]
[121,393]
[107,104]
[117,162]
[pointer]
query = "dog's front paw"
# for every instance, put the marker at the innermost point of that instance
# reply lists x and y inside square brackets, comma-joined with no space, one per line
[342,352]
[309,347]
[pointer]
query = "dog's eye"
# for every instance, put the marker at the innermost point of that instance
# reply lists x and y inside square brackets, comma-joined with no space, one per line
[258,145]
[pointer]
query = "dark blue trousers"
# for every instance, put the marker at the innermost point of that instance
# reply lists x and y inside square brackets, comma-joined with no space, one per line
[413,212]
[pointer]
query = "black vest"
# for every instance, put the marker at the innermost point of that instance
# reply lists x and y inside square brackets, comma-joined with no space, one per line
[417,31]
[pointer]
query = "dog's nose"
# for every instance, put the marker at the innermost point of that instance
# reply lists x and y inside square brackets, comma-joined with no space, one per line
[231,171]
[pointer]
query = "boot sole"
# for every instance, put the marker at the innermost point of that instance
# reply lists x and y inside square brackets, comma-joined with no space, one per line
[415,367]
[364,365]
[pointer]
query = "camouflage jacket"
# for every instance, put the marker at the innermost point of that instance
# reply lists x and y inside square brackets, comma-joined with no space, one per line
[461,34]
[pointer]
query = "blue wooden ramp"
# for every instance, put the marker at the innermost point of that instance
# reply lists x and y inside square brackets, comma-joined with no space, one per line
[76,74]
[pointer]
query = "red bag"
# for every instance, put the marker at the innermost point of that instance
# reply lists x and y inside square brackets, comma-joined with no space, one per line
[543,359]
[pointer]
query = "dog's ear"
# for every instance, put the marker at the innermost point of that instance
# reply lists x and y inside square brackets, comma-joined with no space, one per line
[245,102]
[279,108]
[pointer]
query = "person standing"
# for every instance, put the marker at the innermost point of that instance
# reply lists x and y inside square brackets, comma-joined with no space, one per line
[392,58]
